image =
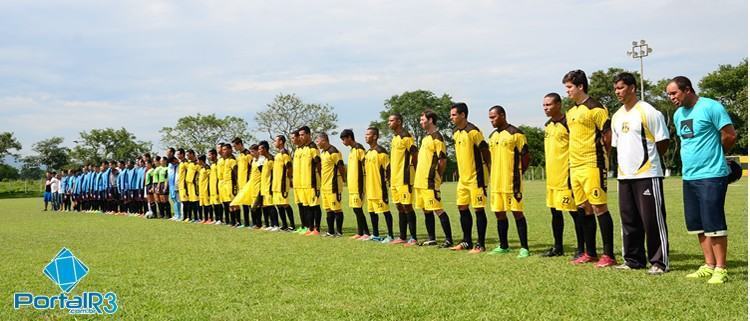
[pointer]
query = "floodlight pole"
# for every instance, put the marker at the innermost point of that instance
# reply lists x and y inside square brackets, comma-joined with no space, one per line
[640,50]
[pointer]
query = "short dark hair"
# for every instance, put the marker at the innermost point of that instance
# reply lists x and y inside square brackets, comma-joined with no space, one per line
[304,129]
[461,108]
[253,147]
[498,109]
[237,140]
[376,130]
[577,78]
[398,116]
[555,97]
[171,149]
[190,151]
[323,136]
[347,133]
[431,115]
[202,158]
[181,151]
[295,133]
[212,151]
[282,137]
[627,78]
[683,83]
[264,144]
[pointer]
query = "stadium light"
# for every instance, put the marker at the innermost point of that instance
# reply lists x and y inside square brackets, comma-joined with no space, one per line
[640,50]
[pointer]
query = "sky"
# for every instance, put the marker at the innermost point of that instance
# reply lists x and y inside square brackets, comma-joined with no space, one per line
[72,66]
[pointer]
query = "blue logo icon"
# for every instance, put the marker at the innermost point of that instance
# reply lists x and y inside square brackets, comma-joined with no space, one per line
[66,270]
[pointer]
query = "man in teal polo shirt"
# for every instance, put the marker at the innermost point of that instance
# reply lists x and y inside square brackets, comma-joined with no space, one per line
[705,132]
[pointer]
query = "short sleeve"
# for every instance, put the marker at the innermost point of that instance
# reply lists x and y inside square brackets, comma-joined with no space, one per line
[658,125]
[476,137]
[384,159]
[601,118]
[719,116]
[439,148]
[521,143]
[615,128]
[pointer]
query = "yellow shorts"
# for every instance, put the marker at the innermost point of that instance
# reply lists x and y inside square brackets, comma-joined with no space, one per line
[470,195]
[377,206]
[330,201]
[588,184]
[401,195]
[191,193]
[503,202]
[203,201]
[226,192]
[214,199]
[182,192]
[280,198]
[561,199]
[355,201]
[267,200]
[427,199]
[306,196]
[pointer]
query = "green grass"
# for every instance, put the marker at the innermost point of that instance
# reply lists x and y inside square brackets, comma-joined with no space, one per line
[163,270]
[21,188]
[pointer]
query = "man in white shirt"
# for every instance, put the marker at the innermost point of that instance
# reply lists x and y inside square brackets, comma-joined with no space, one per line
[641,137]
[55,189]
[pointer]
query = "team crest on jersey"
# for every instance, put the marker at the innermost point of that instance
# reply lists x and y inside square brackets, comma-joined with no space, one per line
[625,127]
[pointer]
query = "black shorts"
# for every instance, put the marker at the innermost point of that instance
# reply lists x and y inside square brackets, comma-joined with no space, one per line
[163,188]
[704,206]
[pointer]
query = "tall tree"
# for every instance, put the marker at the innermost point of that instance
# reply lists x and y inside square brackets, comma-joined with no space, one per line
[410,105]
[50,154]
[287,112]
[728,85]
[203,132]
[535,141]
[8,142]
[8,172]
[30,168]
[98,145]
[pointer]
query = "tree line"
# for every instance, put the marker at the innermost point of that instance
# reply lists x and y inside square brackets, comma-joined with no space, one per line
[727,84]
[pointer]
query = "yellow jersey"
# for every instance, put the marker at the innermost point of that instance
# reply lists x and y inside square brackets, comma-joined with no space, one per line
[191,171]
[402,171]
[472,170]
[355,170]
[266,176]
[557,170]
[308,171]
[255,176]
[213,180]
[296,166]
[376,165]
[431,151]
[203,180]
[331,180]
[229,174]
[281,164]
[181,174]
[507,149]
[587,122]
[243,164]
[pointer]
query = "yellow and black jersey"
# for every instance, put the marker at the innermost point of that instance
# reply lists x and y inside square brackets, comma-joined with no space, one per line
[431,151]
[281,166]
[402,147]
[308,167]
[472,170]
[507,149]
[191,173]
[213,180]
[331,180]
[255,176]
[182,173]
[355,172]
[556,136]
[376,165]
[229,174]
[296,166]
[587,122]
[266,176]
[243,167]
[204,173]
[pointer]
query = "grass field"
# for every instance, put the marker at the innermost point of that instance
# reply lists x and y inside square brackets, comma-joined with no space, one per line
[163,270]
